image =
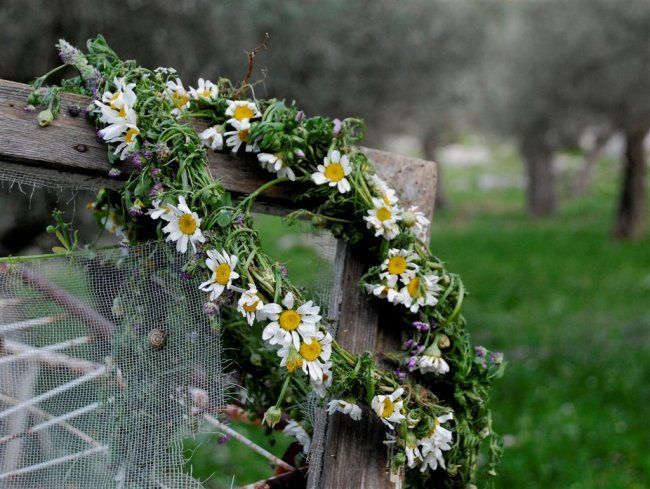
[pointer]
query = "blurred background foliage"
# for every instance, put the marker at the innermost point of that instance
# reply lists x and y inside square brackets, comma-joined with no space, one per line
[538,113]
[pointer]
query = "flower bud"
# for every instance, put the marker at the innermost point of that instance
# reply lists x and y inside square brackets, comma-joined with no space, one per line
[409,218]
[443,341]
[256,359]
[45,117]
[412,420]
[272,416]
[319,222]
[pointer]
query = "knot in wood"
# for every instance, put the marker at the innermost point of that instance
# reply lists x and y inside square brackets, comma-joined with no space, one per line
[157,338]
[82,148]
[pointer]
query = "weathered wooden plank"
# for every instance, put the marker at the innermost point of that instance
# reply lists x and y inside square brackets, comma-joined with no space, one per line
[71,146]
[354,454]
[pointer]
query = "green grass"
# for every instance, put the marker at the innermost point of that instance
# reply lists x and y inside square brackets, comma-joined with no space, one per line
[569,307]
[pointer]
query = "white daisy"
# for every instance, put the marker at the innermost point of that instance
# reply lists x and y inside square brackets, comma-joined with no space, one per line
[288,324]
[383,218]
[184,227]
[413,453]
[178,96]
[206,91]
[164,211]
[240,134]
[386,290]
[344,407]
[400,263]
[333,171]
[419,291]
[381,189]
[389,407]
[312,355]
[432,361]
[123,131]
[274,163]
[320,386]
[438,440]
[222,265]
[250,303]
[298,432]
[241,111]
[114,224]
[123,94]
[416,222]
[212,137]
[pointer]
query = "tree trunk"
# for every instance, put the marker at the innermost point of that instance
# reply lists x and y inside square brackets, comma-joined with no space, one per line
[541,195]
[631,204]
[429,145]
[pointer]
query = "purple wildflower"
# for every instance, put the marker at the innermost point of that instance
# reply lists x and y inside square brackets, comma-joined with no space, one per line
[420,326]
[337,126]
[186,276]
[300,116]
[239,219]
[74,110]
[156,190]
[114,172]
[496,357]
[400,374]
[411,364]
[155,171]
[409,344]
[284,271]
[210,308]
[30,108]
[300,153]
[135,161]
[480,351]
[135,211]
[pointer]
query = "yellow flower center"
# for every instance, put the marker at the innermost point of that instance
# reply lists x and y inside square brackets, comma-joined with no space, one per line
[389,407]
[386,200]
[290,320]
[384,214]
[222,274]
[413,286]
[310,351]
[251,307]
[179,99]
[244,135]
[206,93]
[294,362]
[243,112]
[396,265]
[131,134]
[334,172]
[114,98]
[187,224]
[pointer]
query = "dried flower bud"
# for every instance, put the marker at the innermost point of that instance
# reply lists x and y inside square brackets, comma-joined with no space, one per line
[409,218]
[443,341]
[272,416]
[45,117]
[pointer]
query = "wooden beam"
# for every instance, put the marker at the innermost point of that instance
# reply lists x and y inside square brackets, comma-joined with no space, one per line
[69,149]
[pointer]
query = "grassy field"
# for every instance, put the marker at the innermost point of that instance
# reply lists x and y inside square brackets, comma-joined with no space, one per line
[569,307]
[571,310]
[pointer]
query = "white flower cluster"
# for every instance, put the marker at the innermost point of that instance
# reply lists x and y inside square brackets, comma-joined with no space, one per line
[117,112]
[427,452]
[404,283]
[386,215]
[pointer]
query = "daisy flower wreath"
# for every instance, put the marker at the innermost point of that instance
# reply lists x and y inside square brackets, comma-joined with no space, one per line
[433,402]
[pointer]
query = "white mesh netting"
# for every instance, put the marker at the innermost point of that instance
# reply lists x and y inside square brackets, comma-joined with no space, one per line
[105,360]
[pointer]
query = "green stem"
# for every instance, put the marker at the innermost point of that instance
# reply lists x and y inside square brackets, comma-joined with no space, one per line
[283,392]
